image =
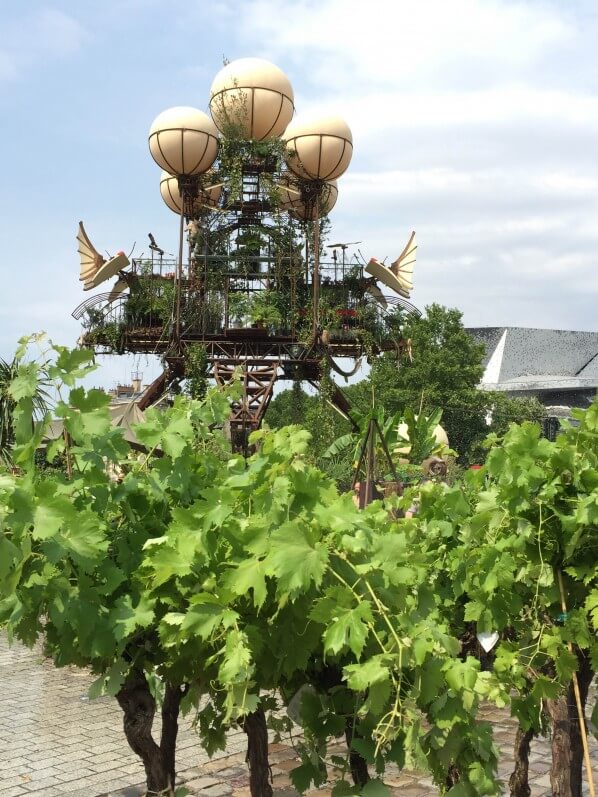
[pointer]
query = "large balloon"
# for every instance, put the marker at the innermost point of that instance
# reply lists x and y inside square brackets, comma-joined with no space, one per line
[252,99]
[183,141]
[318,148]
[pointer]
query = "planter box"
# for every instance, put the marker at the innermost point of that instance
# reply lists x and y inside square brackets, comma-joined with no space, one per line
[339,336]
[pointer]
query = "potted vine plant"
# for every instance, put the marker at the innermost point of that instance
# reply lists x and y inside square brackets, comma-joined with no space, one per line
[264,310]
[238,309]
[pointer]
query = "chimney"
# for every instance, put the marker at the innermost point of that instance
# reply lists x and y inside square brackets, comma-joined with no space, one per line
[136,382]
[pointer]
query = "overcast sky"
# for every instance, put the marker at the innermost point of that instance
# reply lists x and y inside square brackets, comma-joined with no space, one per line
[475,122]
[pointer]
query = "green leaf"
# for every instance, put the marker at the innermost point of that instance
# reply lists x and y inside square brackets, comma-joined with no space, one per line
[9,554]
[248,575]
[361,676]
[294,560]
[126,618]
[304,775]
[110,682]
[545,688]
[349,629]
[50,515]
[85,537]
[177,434]
[25,384]
[343,789]
[205,614]
[71,365]
[462,674]
[236,664]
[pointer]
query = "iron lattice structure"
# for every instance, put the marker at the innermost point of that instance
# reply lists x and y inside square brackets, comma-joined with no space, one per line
[246,293]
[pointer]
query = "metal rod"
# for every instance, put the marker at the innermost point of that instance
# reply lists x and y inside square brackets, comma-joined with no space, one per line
[316,277]
[180,269]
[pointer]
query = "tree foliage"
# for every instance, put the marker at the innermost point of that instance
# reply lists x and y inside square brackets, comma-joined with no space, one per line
[8,373]
[445,373]
[192,567]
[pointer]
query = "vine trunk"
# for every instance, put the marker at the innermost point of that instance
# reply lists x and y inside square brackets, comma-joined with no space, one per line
[257,754]
[567,750]
[139,709]
[519,780]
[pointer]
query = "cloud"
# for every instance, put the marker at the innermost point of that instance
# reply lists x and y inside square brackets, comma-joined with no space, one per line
[346,44]
[36,37]
[475,122]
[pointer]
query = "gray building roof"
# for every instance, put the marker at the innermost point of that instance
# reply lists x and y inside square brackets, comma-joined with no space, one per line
[519,359]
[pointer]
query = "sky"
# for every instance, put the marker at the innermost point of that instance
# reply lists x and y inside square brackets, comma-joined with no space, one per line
[475,123]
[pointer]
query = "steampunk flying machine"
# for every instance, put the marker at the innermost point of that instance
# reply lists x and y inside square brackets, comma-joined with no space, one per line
[250,186]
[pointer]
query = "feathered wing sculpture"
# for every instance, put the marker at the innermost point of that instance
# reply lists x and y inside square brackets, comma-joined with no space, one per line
[91,259]
[399,276]
[95,269]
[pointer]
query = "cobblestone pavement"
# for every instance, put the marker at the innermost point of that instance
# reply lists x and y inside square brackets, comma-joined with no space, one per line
[54,742]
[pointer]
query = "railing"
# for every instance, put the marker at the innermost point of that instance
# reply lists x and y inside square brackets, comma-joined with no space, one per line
[89,303]
[207,301]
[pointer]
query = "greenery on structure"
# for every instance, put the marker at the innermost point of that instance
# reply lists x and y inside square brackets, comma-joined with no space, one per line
[196,371]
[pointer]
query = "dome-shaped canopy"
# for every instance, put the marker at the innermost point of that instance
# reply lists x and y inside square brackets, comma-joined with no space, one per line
[251,98]
[318,148]
[183,140]
[169,188]
[292,200]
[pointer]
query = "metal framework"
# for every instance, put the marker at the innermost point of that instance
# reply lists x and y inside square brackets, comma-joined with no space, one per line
[242,254]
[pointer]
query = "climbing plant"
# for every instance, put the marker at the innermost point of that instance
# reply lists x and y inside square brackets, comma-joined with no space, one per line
[186,568]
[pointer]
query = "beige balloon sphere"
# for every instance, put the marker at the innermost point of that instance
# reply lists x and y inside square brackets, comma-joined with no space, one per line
[403,431]
[318,148]
[292,201]
[169,188]
[183,140]
[251,98]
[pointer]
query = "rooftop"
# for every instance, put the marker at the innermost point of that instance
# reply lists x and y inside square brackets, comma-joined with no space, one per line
[522,359]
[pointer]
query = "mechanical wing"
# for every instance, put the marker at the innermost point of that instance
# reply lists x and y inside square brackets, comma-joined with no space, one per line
[399,276]
[95,269]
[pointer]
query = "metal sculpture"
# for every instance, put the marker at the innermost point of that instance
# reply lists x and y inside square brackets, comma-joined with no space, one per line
[95,269]
[251,289]
[398,276]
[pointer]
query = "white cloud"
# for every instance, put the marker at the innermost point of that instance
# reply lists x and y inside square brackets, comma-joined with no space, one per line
[349,44]
[474,122]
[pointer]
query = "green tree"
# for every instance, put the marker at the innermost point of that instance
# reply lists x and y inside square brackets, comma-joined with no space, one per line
[288,407]
[519,560]
[8,402]
[186,572]
[70,556]
[445,372]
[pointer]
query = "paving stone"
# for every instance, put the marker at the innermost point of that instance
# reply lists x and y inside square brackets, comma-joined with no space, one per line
[54,742]
[218,790]
[201,783]
[13,791]
[543,781]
